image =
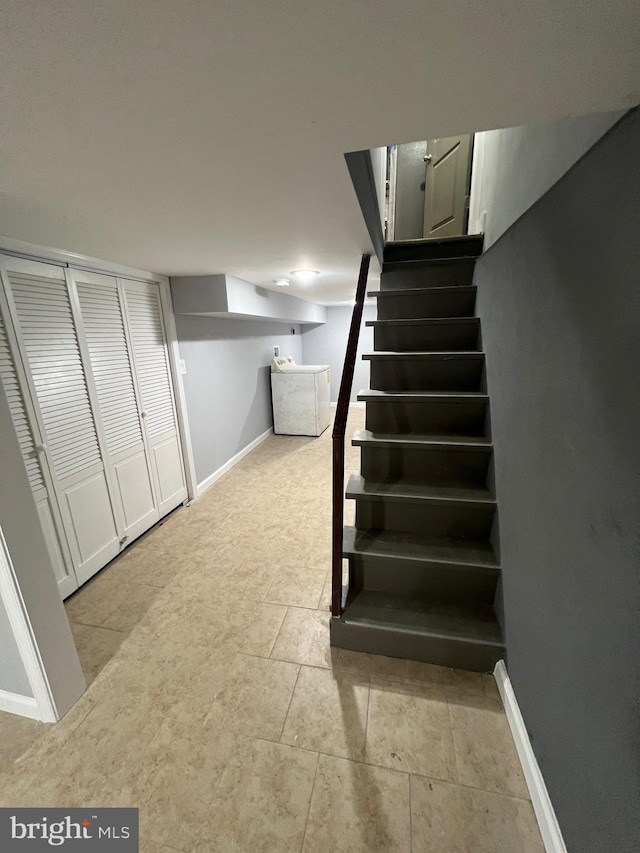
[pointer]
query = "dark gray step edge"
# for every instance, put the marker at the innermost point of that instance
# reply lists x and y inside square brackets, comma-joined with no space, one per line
[354,492]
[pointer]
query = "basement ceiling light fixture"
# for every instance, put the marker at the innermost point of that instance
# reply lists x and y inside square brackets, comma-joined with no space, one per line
[305,276]
[282,282]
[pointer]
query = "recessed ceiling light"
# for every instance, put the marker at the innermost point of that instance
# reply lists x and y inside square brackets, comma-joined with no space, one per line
[282,282]
[305,276]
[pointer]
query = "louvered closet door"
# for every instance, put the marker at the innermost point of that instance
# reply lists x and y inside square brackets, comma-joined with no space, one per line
[14,384]
[111,380]
[153,378]
[48,341]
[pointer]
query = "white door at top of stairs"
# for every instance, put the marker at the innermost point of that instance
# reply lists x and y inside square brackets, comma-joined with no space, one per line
[78,356]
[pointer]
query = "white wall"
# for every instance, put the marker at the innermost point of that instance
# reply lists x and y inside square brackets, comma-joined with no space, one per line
[514,167]
[227,384]
[379,166]
[13,674]
[327,344]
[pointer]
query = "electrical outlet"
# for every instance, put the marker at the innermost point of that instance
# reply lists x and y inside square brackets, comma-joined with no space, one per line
[183,366]
[276,352]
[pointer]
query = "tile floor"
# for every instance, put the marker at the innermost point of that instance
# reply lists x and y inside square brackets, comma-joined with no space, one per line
[217,707]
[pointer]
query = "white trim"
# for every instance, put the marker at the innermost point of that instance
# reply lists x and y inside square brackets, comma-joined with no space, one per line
[65,258]
[540,800]
[23,706]
[211,479]
[173,351]
[20,625]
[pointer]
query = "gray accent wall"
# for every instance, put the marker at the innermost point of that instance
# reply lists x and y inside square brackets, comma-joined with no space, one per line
[227,383]
[13,676]
[559,298]
[327,344]
[514,167]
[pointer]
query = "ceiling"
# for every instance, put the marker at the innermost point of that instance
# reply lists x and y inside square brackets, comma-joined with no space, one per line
[207,136]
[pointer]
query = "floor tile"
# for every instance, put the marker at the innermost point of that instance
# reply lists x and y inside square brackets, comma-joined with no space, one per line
[485,752]
[393,669]
[18,734]
[409,729]
[256,696]
[358,808]
[156,566]
[296,587]
[126,616]
[176,779]
[328,713]
[97,600]
[223,624]
[453,819]
[96,647]
[304,638]
[476,689]
[94,763]
[262,802]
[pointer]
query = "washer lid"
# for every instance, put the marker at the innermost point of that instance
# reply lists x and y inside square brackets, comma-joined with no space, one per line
[304,368]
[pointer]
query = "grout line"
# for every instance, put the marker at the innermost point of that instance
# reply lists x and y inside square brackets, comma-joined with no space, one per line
[286,716]
[453,737]
[313,786]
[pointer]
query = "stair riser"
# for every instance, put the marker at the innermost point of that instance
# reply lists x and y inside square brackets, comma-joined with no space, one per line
[417,251]
[427,275]
[439,582]
[442,651]
[426,375]
[464,418]
[427,304]
[424,517]
[451,337]
[438,467]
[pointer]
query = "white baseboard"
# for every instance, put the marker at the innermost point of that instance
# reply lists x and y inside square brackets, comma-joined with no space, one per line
[23,706]
[211,479]
[545,815]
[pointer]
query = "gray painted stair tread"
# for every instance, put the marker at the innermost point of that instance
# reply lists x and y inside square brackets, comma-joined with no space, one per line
[412,546]
[419,291]
[420,396]
[435,241]
[428,262]
[364,435]
[461,355]
[425,321]
[407,614]
[359,487]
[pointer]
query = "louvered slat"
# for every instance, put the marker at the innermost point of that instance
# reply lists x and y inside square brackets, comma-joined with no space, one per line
[149,348]
[43,310]
[9,379]
[104,329]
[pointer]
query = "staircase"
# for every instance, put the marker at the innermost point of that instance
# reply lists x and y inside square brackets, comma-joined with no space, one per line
[422,566]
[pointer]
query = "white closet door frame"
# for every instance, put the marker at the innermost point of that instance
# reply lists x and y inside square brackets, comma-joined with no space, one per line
[167,503]
[127,533]
[46,498]
[180,401]
[84,569]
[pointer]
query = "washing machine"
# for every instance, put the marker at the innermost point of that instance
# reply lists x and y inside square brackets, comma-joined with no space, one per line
[300,396]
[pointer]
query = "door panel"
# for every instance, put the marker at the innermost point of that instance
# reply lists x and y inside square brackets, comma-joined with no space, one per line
[86,501]
[111,375]
[53,363]
[168,462]
[24,421]
[446,186]
[153,381]
[134,487]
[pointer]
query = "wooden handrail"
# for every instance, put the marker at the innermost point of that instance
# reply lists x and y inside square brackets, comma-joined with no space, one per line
[337,437]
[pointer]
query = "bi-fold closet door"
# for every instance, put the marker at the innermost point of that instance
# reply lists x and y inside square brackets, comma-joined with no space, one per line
[90,363]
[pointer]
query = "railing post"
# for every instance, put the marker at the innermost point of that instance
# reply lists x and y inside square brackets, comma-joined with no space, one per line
[339,429]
